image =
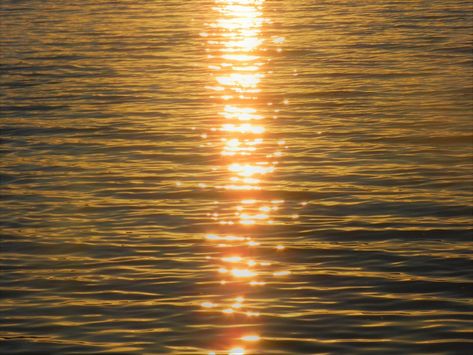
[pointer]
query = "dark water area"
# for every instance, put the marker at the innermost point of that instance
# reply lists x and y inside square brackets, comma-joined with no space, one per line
[236,177]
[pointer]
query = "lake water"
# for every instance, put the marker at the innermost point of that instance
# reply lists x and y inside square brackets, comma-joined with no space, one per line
[236,177]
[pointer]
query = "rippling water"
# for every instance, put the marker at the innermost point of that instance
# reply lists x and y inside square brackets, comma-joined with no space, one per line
[236,177]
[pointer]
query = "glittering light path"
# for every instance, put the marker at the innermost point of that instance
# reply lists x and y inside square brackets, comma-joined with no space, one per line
[236,60]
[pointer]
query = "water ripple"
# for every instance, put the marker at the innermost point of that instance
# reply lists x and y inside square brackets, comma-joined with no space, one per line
[122,233]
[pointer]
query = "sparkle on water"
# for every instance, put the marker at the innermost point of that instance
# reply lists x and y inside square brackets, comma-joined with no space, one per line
[236,177]
[234,46]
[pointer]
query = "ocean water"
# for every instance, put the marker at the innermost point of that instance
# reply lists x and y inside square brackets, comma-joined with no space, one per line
[236,177]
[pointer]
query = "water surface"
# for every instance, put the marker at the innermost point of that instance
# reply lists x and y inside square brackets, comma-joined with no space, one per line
[236,177]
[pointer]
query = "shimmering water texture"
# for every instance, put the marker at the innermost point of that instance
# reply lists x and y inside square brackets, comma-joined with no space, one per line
[236,177]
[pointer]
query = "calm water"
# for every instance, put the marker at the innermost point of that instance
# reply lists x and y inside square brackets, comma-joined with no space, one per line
[236,177]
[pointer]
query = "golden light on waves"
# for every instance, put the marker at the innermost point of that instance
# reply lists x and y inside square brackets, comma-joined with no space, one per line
[234,46]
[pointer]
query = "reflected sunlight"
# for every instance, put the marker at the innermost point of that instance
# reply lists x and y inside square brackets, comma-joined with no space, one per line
[235,50]
[237,351]
[252,337]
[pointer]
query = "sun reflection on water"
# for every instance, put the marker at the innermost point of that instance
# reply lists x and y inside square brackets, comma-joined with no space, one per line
[236,60]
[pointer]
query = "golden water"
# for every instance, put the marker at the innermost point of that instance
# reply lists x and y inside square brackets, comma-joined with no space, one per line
[236,177]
